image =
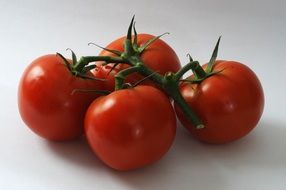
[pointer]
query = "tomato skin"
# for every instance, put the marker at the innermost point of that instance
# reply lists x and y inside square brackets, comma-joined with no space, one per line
[46,100]
[230,103]
[131,128]
[159,56]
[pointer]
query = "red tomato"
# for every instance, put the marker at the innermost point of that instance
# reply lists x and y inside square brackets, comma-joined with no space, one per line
[159,56]
[131,128]
[46,100]
[230,103]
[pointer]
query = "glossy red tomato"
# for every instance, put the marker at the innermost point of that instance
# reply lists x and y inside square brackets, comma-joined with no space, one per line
[46,100]
[230,103]
[159,56]
[131,128]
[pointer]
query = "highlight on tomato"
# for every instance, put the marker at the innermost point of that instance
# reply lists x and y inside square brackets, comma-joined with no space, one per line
[48,101]
[131,128]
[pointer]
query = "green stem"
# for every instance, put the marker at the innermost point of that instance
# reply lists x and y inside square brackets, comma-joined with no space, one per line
[146,71]
[119,77]
[131,56]
[185,69]
[170,83]
[188,112]
[171,86]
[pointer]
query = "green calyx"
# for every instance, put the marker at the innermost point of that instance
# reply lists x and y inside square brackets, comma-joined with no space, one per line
[132,56]
[78,69]
[201,74]
[131,46]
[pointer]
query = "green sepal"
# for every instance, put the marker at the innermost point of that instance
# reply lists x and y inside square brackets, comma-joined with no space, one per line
[84,76]
[149,42]
[143,79]
[199,80]
[190,57]
[213,58]
[67,64]
[135,40]
[112,68]
[74,58]
[118,53]
[129,33]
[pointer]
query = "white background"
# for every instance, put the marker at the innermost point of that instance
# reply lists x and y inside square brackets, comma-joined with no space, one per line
[253,32]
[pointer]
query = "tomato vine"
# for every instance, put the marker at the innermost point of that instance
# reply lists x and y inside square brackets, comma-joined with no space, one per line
[168,82]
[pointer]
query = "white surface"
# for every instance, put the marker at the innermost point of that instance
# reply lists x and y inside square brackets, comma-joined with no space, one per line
[252,32]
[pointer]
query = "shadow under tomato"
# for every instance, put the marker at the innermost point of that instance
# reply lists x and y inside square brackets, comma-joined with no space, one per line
[191,163]
[77,152]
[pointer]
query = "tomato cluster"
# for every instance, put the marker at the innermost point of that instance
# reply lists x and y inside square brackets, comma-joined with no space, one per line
[134,126]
